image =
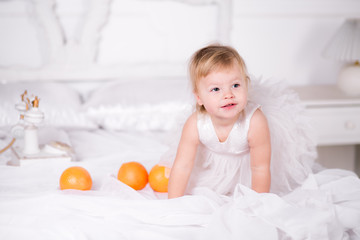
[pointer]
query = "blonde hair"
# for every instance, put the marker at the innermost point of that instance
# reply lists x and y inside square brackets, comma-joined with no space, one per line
[212,58]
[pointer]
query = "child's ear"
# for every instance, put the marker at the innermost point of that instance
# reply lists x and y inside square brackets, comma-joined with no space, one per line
[198,100]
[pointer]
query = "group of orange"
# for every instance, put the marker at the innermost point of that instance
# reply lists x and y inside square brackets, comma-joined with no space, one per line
[133,174]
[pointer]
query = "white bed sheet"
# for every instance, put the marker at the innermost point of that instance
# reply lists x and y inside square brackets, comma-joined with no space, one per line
[32,205]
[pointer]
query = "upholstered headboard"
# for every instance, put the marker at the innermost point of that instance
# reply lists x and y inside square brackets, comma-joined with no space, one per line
[104,39]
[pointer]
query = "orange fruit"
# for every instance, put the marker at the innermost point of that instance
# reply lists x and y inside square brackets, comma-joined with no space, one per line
[133,174]
[75,178]
[159,178]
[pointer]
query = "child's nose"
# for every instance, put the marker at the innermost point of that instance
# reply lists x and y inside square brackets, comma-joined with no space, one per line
[229,94]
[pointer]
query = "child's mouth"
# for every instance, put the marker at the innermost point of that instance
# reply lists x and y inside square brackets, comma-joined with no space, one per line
[228,105]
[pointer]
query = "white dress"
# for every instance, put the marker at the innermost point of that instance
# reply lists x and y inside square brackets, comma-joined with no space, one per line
[222,165]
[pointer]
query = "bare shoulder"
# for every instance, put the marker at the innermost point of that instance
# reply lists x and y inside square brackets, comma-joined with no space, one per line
[259,129]
[258,119]
[191,122]
[190,131]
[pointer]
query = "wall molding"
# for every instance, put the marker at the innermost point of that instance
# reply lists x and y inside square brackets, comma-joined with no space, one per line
[297,8]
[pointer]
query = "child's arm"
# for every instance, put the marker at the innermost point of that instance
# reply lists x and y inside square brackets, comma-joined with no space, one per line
[185,157]
[260,152]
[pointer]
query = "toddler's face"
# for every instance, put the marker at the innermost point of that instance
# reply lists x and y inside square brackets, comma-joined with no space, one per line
[223,92]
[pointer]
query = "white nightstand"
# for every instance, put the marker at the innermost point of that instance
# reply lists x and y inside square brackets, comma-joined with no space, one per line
[336,117]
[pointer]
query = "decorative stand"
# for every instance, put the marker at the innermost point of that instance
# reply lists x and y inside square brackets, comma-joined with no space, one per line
[31,151]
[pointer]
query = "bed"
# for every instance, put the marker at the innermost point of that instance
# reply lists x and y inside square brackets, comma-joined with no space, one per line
[103,136]
[110,116]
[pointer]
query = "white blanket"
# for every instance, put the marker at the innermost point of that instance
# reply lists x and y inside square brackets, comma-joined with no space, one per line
[326,206]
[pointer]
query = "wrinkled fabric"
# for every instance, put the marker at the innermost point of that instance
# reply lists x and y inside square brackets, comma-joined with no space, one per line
[325,206]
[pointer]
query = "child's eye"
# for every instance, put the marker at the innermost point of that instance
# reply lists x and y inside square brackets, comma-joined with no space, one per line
[215,89]
[236,85]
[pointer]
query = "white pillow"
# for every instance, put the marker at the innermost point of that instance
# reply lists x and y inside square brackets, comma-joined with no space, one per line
[141,105]
[60,104]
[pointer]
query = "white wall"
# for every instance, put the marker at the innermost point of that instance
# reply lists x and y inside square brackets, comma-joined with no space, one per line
[285,39]
[278,38]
